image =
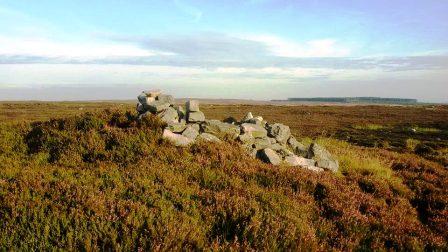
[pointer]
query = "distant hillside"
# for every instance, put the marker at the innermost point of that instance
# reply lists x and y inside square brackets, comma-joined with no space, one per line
[357,100]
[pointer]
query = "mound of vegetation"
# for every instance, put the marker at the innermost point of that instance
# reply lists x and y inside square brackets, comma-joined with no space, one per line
[109,181]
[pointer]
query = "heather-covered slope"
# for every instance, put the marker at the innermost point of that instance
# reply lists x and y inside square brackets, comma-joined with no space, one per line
[100,181]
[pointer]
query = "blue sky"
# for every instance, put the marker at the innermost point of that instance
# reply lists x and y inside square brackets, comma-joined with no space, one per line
[253,49]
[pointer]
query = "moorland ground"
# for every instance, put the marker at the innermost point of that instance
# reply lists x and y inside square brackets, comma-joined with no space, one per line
[95,179]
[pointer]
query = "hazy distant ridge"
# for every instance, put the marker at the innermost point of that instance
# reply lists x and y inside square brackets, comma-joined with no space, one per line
[357,100]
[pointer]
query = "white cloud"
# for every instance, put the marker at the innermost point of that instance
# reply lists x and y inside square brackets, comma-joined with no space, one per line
[313,48]
[39,46]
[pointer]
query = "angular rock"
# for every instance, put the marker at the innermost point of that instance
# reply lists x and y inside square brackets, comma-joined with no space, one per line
[156,106]
[295,160]
[176,127]
[217,127]
[261,143]
[181,112]
[165,98]
[269,156]
[208,137]
[272,140]
[297,147]
[176,139]
[153,93]
[246,139]
[144,99]
[323,157]
[169,115]
[197,116]
[247,117]
[140,109]
[256,131]
[190,132]
[280,132]
[192,106]
[276,147]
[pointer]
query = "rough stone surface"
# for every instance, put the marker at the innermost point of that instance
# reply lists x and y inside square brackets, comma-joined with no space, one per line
[246,138]
[165,98]
[269,156]
[140,109]
[261,143]
[297,147]
[323,157]
[208,137]
[156,106]
[181,112]
[247,117]
[190,132]
[192,106]
[197,116]
[176,139]
[169,115]
[217,127]
[255,130]
[176,127]
[280,132]
[153,93]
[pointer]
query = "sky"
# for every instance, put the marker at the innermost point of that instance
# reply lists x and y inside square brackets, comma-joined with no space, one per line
[247,49]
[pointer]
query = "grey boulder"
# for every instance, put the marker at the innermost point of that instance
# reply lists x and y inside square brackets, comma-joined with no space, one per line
[280,132]
[169,115]
[297,147]
[192,106]
[176,127]
[217,127]
[208,137]
[269,156]
[165,98]
[323,157]
[191,132]
[176,139]
[255,130]
[156,106]
[197,116]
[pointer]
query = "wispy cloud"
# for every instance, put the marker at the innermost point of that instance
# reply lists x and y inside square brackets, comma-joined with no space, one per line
[190,10]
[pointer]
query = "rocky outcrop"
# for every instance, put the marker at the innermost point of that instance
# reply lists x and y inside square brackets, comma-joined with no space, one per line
[271,143]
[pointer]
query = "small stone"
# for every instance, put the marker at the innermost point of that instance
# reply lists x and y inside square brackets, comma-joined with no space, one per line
[280,132]
[247,117]
[192,106]
[269,156]
[197,116]
[208,137]
[169,115]
[165,98]
[190,132]
[153,93]
[256,131]
[176,139]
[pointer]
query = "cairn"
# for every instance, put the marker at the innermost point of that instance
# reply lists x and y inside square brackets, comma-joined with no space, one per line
[271,143]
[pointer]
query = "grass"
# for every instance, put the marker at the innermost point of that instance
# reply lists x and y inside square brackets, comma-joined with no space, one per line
[105,181]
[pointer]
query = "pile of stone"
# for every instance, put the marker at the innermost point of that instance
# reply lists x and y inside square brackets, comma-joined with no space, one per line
[271,143]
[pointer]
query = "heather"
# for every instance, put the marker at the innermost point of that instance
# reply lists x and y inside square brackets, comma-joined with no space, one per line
[105,180]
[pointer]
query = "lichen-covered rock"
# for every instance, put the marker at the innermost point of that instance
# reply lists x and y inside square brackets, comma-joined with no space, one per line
[156,106]
[192,106]
[169,115]
[247,117]
[261,143]
[176,127]
[166,99]
[269,156]
[208,137]
[217,127]
[152,93]
[280,132]
[176,139]
[323,157]
[297,147]
[197,116]
[255,130]
[191,132]
[246,138]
